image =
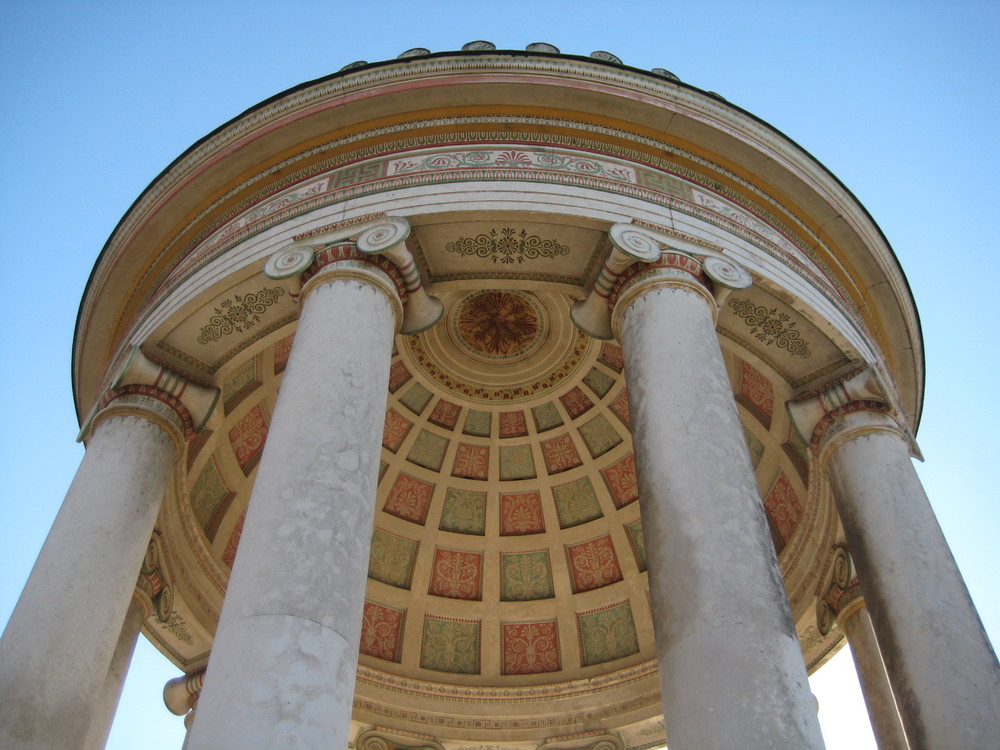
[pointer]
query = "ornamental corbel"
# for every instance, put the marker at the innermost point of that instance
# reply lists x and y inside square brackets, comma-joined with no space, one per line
[593,741]
[153,587]
[633,244]
[628,245]
[181,694]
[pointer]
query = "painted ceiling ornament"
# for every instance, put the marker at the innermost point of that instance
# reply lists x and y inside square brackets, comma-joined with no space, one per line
[507,246]
[499,325]
[239,313]
[771,327]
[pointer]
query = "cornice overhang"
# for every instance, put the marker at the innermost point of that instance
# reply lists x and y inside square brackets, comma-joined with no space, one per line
[251,148]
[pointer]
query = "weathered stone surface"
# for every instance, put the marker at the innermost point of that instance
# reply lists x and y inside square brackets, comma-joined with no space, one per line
[283,667]
[59,643]
[731,669]
[943,670]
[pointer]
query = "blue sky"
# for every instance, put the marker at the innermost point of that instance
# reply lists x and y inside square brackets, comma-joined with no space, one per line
[899,100]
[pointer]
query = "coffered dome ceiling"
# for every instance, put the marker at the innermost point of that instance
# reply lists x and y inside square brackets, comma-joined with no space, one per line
[507,565]
[506,594]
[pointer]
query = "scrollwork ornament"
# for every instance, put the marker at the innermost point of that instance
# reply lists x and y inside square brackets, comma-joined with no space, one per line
[383,236]
[479,46]
[288,262]
[606,57]
[149,563]
[727,274]
[164,604]
[824,617]
[376,743]
[841,569]
[635,242]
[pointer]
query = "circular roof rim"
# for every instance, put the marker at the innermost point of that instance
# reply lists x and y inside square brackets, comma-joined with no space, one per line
[352,69]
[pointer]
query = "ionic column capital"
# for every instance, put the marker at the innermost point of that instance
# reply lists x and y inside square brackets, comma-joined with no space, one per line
[852,405]
[640,262]
[153,588]
[147,389]
[376,253]
[840,593]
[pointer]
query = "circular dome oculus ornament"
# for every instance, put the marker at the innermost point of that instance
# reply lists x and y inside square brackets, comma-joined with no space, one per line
[498,325]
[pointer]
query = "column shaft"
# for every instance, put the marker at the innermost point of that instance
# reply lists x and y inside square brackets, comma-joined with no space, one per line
[882,712]
[283,664]
[731,668]
[57,648]
[943,670]
[111,692]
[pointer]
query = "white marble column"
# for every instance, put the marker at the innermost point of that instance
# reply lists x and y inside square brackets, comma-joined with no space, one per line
[57,648]
[283,664]
[854,621]
[114,681]
[731,668]
[943,670]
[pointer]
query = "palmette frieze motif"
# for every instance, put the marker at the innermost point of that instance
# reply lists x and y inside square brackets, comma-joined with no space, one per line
[507,246]
[771,327]
[239,313]
[545,160]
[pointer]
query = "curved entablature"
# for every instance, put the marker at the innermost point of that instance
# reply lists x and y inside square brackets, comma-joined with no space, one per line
[341,141]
